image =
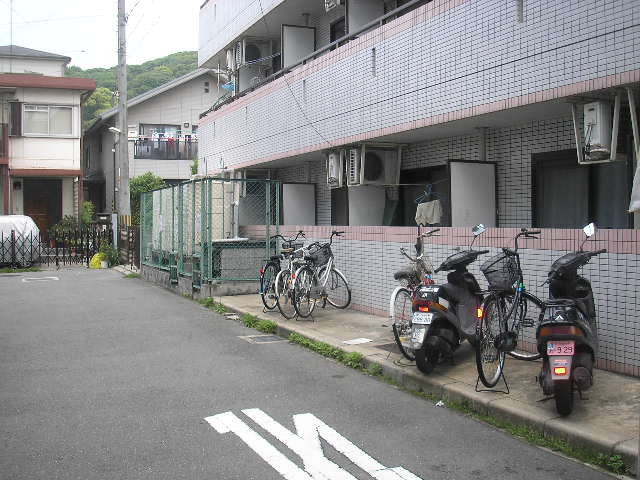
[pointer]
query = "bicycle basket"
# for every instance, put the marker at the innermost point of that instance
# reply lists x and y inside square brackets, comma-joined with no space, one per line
[322,255]
[500,271]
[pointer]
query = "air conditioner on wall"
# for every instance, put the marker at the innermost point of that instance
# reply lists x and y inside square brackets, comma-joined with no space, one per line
[331,4]
[374,164]
[335,169]
[255,51]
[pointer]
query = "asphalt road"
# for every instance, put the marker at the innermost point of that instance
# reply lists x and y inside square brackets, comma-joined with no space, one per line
[112,378]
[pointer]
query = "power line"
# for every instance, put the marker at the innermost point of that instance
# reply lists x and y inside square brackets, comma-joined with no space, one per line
[55,19]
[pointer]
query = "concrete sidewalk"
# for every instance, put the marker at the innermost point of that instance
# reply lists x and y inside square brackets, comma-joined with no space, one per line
[606,420]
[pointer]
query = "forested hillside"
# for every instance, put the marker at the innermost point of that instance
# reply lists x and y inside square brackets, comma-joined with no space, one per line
[140,78]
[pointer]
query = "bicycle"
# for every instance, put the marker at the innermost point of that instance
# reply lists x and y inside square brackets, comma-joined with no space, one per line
[400,305]
[270,270]
[320,280]
[507,300]
[284,280]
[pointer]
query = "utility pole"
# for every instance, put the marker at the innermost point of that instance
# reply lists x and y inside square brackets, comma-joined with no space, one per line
[123,202]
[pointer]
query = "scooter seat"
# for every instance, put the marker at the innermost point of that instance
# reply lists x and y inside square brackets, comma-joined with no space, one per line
[569,302]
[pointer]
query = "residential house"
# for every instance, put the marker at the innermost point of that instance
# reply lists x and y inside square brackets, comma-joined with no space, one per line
[508,113]
[40,135]
[162,135]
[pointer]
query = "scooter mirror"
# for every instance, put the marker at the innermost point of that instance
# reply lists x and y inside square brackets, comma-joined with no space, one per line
[589,230]
[478,230]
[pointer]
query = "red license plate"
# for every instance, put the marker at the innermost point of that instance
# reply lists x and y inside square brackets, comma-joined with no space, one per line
[561,347]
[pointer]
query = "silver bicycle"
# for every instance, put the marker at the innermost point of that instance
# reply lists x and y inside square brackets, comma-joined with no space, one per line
[320,280]
[283,283]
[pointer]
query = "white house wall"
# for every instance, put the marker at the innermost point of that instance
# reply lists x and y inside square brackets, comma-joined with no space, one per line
[50,68]
[445,60]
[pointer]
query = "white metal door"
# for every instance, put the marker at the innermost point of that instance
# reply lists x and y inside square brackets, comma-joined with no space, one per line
[473,194]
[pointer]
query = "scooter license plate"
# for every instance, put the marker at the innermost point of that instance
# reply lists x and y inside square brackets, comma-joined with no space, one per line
[561,347]
[422,318]
[417,336]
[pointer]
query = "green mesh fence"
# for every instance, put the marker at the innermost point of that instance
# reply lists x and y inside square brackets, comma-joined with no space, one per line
[211,229]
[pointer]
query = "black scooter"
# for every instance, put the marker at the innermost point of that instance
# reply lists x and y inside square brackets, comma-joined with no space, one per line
[567,335]
[443,316]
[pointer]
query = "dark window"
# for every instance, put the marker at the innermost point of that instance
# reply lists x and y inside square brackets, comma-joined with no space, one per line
[338,29]
[569,195]
[15,119]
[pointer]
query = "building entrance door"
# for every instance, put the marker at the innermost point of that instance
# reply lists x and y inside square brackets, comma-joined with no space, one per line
[43,201]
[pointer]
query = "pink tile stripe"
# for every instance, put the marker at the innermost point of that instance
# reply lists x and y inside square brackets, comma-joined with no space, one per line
[625,241]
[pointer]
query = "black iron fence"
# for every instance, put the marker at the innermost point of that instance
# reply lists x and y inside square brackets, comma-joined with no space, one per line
[166,149]
[56,247]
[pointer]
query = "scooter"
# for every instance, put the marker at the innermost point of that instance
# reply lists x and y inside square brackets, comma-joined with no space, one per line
[567,335]
[444,316]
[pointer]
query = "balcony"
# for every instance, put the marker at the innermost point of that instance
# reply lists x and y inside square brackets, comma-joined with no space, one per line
[166,149]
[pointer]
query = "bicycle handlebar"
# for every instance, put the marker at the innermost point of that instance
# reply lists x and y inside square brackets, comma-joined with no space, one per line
[482,252]
[432,232]
[404,252]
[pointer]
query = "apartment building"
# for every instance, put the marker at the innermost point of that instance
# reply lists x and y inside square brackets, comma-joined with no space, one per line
[508,113]
[40,132]
[162,134]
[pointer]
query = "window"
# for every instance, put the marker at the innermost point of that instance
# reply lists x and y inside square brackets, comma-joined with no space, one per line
[338,29]
[155,131]
[47,120]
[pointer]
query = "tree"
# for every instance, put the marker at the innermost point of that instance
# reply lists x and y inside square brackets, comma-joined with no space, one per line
[139,185]
[99,102]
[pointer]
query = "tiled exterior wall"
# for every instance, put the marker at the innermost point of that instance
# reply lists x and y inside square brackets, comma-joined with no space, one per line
[446,60]
[369,256]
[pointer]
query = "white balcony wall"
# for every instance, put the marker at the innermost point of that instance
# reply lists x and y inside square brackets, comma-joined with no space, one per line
[443,61]
[222,21]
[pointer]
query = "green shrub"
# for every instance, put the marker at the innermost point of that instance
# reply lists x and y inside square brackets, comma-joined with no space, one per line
[88,211]
[210,303]
[110,253]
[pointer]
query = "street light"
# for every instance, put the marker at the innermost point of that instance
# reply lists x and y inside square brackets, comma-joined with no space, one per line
[116,135]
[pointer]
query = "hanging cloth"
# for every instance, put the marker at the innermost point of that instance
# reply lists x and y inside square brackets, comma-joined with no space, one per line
[429,213]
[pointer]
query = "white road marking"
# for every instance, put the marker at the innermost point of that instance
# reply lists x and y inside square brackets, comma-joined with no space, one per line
[39,279]
[306,444]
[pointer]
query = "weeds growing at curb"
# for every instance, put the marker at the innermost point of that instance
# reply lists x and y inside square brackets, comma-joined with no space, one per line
[265,326]
[612,463]
[211,304]
[132,275]
[20,270]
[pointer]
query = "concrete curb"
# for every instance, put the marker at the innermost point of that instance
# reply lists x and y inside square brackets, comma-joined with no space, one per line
[516,412]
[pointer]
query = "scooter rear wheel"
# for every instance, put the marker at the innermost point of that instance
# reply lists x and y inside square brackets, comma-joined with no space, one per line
[563,393]
[430,354]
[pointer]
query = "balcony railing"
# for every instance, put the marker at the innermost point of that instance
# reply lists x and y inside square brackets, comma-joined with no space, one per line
[402,10]
[166,149]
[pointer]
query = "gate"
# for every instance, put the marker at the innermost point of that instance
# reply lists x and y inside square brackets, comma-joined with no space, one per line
[57,247]
[129,248]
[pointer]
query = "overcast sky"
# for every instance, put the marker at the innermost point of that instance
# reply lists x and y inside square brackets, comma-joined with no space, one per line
[86,30]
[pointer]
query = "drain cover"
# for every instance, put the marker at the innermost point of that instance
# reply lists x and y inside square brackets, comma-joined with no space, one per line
[263,338]
[389,347]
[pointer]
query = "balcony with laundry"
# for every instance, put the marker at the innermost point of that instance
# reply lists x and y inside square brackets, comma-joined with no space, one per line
[165,142]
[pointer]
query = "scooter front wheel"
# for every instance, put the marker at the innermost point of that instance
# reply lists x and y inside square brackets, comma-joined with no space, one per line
[563,393]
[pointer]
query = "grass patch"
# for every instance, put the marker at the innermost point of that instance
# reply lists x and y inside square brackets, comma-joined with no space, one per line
[350,359]
[211,304]
[20,270]
[132,275]
[265,326]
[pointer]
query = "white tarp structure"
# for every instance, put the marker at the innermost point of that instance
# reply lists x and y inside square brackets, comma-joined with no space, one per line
[27,240]
[21,224]
[634,205]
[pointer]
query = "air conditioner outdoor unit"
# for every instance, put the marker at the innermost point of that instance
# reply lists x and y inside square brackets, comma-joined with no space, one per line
[374,164]
[331,4]
[335,169]
[256,51]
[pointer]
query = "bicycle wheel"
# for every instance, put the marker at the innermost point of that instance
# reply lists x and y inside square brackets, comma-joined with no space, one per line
[337,289]
[284,294]
[489,359]
[401,317]
[528,312]
[267,285]
[305,288]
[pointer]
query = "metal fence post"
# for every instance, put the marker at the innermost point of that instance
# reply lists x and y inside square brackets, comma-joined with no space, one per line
[13,248]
